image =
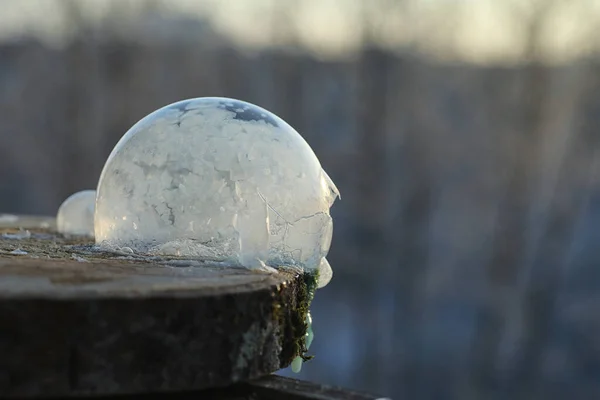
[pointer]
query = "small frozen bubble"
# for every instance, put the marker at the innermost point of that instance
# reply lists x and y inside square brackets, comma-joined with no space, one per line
[325,273]
[219,180]
[297,364]
[310,335]
[76,214]
[22,234]
[8,219]
[127,250]
[19,252]
[79,258]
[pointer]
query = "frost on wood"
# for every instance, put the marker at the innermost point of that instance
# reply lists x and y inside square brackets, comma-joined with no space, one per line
[76,214]
[217,179]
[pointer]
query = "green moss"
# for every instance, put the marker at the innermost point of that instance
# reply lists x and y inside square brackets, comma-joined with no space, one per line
[310,280]
[294,319]
[310,286]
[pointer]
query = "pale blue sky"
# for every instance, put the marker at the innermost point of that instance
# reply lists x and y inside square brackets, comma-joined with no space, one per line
[480,31]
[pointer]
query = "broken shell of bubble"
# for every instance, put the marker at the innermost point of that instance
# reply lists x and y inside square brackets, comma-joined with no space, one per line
[76,214]
[221,180]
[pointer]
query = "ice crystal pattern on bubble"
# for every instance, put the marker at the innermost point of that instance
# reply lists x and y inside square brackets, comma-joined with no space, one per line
[217,179]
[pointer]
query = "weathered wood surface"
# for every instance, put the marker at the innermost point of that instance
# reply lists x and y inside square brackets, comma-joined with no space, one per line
[108,326]
[267,388]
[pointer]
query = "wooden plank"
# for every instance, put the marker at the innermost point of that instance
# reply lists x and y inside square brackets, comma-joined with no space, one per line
[278,387]
[271,387]
[107,325]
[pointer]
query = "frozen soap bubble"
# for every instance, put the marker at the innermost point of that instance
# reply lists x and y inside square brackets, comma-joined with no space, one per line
[76,214]
[216,179]
[325,273]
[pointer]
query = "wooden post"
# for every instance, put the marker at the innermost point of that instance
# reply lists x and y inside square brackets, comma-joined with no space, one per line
[77,322]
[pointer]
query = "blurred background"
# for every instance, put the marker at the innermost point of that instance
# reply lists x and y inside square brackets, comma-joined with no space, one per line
[464,136]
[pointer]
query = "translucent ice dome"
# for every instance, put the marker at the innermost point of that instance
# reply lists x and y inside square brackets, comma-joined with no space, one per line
[76,214]
[217,179]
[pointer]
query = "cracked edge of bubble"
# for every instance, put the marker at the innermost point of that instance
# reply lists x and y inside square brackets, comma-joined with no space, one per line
[331,185]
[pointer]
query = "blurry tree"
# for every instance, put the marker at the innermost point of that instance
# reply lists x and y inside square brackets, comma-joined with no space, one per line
[82,105]
[519,302]
[390,220]
[284,29]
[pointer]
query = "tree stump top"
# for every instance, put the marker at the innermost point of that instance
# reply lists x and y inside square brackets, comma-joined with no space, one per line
[28,278]
[75,322]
